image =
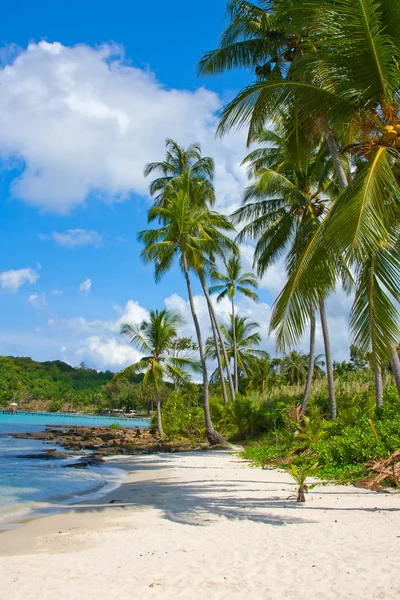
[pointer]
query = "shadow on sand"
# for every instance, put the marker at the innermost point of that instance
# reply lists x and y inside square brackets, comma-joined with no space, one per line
[204,500]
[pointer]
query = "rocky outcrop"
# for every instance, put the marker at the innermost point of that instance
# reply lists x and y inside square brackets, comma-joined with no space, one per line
[101,441]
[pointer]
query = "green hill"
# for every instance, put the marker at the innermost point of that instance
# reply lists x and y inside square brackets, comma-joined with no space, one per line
[55,385]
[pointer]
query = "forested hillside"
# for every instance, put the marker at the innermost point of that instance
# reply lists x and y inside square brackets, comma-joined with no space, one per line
[55,385]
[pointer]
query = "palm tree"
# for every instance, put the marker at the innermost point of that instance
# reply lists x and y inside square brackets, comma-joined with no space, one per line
[190,232]
[344,78]
[181,163]
[261,375]
[295,366]
[282,208]
[243,336]
[231,282]
[188,165]
[153,337]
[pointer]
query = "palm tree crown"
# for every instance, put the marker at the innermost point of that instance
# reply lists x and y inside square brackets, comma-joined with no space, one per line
[154,337]
[181,163]
[287,199]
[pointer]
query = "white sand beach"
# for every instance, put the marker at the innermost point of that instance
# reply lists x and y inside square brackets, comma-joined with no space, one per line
[207,525]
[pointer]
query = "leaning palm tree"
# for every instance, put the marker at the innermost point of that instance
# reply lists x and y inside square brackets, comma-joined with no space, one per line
[344,78]
[230,283]
[291,189]
[153,337]
[241,338]
[188,231]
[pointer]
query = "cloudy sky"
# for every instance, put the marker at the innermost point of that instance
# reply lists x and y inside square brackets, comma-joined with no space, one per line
[88,97]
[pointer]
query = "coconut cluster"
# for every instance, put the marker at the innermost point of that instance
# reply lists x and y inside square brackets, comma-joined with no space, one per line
[391,136]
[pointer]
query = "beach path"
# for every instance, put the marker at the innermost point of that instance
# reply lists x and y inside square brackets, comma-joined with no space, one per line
[205,525]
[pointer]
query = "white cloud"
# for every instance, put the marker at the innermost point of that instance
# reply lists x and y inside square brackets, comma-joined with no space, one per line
[256,312]
[99,344]
[85,286]
[56,292]
[132,312]
[275,277]
[11,281]
[37,300]
[107,353]
[73,238]
[79,121]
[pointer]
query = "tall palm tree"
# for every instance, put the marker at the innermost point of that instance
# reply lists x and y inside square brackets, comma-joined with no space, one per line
[153,337]
[282,208]
[180,167]
[242,336]
[231,282]
[345,78]
[188,231]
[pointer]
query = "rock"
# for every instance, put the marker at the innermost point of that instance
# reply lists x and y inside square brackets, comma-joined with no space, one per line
[52,454]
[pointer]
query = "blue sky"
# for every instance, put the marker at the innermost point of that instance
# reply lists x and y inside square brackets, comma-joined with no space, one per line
[90,90]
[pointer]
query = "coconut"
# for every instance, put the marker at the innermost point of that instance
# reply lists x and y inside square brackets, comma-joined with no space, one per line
[397,129]
[388,137]
[388,128]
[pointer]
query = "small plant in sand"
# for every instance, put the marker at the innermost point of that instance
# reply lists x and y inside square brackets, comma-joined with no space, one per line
[300,474]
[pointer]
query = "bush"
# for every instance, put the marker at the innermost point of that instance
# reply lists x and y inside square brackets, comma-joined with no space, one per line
[54,406]
[344,448]
[180,419]
[115,426]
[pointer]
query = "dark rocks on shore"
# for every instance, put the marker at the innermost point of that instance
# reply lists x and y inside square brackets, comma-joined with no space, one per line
[98,442]
[103,440]
[51,454]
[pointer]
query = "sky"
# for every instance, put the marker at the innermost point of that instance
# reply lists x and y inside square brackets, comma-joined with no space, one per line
[88,93]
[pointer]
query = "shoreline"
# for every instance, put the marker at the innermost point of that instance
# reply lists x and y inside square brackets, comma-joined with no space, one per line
[207,525]
[37,510]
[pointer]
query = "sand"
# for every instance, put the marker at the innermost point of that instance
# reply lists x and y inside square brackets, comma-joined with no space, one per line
[207,525]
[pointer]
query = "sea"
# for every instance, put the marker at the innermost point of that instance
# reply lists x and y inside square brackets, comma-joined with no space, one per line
[29,486]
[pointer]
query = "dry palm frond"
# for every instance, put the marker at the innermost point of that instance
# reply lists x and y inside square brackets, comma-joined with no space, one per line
[384,473]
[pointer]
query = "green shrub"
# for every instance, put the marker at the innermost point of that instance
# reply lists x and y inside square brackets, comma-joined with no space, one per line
[261,454]
[54,406]
[180,419]
[115,426]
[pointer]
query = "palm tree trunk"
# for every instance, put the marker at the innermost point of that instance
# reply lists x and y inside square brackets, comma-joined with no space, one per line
[159,419]
[378,387]
[396,369]
[235,361]
[337,163]
[311,360]
[328,358]
[213,436]
[225,354]
[218,329]
[218,352]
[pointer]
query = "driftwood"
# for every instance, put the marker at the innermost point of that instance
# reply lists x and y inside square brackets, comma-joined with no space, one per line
[384,473]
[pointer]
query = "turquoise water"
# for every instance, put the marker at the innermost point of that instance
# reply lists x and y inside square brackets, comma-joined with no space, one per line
[23,422]
[26,484]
